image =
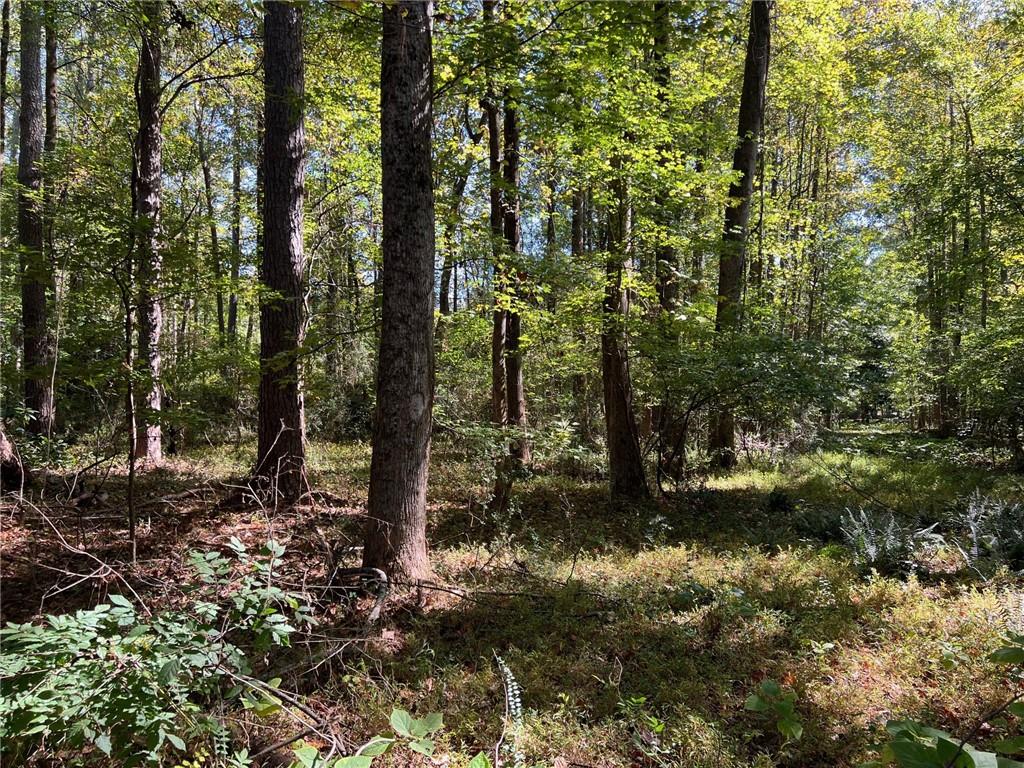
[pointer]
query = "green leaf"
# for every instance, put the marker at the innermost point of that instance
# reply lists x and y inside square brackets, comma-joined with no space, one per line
[791,729]
[401,721]
[378,745]
[1010,746]
[1017,708]
[480,761]
[168,672]
[912,754]
[432,722]
[755,703]
[423,746]
[353,761]
[119,600]
[770,688]
[307,754]
[102,743]
[1009,654]
[176,741]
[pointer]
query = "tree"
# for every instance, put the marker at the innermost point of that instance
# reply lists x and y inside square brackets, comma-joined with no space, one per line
[36,275]
[625,464]
[280,453]
[5,45]
[737,213]
[148,184]
[397,515]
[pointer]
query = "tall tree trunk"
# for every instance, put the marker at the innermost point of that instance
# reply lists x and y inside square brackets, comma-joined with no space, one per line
[5,49]
[149,150]
[396,540]
[625,464]
[36,277]
[450,226]
[281,442]
[499,327]
[737,213]
[50,138]
[667,260]
[236,225]
[218,267]
[520,449]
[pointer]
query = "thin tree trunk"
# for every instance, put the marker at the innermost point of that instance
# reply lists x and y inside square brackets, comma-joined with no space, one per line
[520,449]
[450,226]
[218,267]
[625,464]
[281,440]
[499,327]
[236,226]
[737,213]
[36,277]
[396,525]
[667,260]
[5,49]
[149,149]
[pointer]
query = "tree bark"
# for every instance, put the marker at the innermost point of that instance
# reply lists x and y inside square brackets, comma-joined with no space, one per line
[667,260]
[218,267]
[149,150]
[281,440]
[737,213]
[5,49]
[450,226]
[36,277]
[236,226]
[520,449]
[396,539]
[50,138]
[14,475]
[625,464]
[499,326]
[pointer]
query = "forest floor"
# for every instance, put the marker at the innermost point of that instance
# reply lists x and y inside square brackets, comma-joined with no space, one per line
[635,634]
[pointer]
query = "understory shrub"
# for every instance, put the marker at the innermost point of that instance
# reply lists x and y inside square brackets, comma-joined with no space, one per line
[119,685]
[881,543]
[992,528]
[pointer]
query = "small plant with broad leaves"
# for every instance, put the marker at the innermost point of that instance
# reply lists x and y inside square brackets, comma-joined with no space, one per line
[773,702]
[117,685]
[913,745]
[409,732]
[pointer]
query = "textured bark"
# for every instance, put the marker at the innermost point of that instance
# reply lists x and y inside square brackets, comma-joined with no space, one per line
[667,259]
[14,475]
[499,326]
[218,267]
[36,276]
[450,225]
[149,150]
[520,449]
[737,214]
[281,439]
[396,539]
[625,464]
[5,49]
[50,138]
[236,226]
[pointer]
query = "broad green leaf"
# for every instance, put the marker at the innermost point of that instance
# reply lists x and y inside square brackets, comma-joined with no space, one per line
[401,721]
[423,746]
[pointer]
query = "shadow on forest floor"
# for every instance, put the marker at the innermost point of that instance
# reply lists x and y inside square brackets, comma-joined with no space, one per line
[635,631]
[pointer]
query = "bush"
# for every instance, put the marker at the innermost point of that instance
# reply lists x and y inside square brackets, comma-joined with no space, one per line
[993,528]
[881,543]
[119,686]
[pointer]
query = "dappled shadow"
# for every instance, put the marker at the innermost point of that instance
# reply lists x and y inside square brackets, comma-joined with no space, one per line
[583,650]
